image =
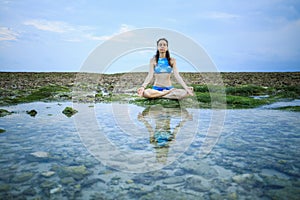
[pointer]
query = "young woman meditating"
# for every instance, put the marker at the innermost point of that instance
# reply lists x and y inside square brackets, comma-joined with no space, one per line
[161,67]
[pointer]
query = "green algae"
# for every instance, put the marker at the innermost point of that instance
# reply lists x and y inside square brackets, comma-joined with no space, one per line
[207,96]
[69,112]
[4,112]
[49,92]
[289,108]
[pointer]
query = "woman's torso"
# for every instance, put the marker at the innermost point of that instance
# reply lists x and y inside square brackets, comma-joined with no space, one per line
[162,72]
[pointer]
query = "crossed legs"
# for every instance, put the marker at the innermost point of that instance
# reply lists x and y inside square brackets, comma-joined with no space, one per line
[168,94]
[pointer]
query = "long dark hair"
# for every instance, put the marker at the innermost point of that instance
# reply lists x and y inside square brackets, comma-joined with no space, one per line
[167,52]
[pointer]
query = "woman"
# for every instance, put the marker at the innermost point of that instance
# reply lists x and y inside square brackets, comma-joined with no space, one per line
[162,65]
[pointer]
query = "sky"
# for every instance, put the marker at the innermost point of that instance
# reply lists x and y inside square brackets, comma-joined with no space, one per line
[239,36]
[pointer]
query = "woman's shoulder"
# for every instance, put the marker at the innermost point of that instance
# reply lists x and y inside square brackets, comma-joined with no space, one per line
[172,61]
[153,60]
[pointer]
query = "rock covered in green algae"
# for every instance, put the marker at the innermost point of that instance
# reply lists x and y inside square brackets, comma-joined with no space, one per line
[32,113]
[76,172]
[2,130]
[4,112]
[68,111]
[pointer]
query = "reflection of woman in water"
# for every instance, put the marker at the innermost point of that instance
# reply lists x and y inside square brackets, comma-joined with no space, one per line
[162,65]
[161,136]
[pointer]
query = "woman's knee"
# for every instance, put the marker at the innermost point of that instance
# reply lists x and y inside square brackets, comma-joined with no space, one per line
[147,93]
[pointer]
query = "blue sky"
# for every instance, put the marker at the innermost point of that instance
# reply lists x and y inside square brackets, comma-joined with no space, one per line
[47,35]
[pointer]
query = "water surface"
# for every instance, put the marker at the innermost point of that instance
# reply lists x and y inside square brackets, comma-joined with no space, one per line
[256,155]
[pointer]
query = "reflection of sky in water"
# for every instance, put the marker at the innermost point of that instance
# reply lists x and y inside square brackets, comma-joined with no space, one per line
[261,142]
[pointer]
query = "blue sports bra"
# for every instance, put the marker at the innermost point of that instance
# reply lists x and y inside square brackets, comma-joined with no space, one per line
[162,66]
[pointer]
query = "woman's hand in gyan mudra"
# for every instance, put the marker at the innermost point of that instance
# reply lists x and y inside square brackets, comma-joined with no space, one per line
[140,91]
[190,91]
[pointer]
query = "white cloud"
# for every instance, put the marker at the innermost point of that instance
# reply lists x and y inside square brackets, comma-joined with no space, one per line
[73,33]
[218,15]
[7,34]
[52,26]
[123,28]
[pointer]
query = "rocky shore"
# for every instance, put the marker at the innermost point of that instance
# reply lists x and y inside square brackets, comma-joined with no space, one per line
[241,88]
[31,80]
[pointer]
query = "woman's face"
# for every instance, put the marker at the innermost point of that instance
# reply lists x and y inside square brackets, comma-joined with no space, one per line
[162,46]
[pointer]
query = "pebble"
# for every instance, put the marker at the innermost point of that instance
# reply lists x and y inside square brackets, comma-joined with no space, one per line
[56,190]
[242,178]
[48,174]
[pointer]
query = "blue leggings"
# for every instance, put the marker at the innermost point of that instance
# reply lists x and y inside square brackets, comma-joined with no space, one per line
[162,88]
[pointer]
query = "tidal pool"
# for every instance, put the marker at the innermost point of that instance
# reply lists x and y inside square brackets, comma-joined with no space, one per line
[123,151]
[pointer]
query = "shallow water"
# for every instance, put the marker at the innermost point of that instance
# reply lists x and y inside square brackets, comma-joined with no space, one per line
[120,151]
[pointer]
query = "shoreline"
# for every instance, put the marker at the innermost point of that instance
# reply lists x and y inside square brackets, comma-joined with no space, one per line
[35,79]
[242,88]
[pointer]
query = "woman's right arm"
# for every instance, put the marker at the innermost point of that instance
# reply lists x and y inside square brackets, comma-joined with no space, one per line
[148,78]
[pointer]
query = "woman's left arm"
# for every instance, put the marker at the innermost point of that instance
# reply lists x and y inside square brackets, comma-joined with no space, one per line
[178,77]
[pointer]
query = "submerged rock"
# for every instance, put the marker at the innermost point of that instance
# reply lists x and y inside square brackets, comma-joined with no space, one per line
[67,180]
[76,172]
[29,191]
[68,111]
[199,168]
[197,184]
[47,184]
[174,180]
[48,174]
[242,178]
[38,156]
[4,187]
[23,177]
[56,190]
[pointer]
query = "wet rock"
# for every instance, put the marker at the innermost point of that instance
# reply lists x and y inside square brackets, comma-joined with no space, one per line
[91,182]
[179,172]
[56,190]
[4,112]
[156,175]
[69,112]
[242,178]
[38,156]
[2,130]
[47,184]
[197,184]
[129,181]
[142,180]
[29,191]
[287,193]
[114,181]
[67,180]
[4,188]
[32,113]
[77,172]
[26,176]
[272,182]
[199,168]
[162,193]
[48,174]
[174,180]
